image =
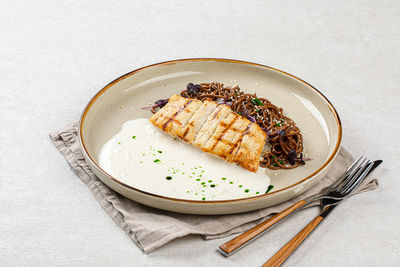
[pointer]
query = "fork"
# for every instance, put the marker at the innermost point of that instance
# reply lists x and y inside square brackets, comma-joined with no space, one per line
[346,179]
[342,191]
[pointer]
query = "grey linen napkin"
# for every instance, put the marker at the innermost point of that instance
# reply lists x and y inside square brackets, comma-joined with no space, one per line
[151,228]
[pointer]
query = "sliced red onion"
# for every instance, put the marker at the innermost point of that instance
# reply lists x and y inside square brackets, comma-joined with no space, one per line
[251,118]
[220,100]
[281,132]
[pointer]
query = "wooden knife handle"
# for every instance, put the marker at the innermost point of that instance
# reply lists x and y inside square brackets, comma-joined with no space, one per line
[242,239]
[291,246]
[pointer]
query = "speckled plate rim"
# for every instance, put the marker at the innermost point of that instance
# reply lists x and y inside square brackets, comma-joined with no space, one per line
[238,200]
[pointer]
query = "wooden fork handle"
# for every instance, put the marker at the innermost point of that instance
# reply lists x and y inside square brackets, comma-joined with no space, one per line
[239,241]
[291,246]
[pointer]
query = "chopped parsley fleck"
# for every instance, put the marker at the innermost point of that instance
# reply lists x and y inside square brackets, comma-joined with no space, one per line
[223,178]
[231,182]
[156,160]
[203,198]
[257,193]
[203,183]
[246,190]
[134,137]
[168,178]
[277,124]
[187,191]
[213,185]
[159,151]
[257,102]
[198,179]
[210,181]
[280,161]
[240,113]
[119,143]
[240,185]
[273,157]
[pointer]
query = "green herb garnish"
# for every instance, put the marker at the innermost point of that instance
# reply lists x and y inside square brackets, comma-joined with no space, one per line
[159,151]
[246,190]
[198,179]
[223,178]
[134,137]
[240,185]
[203,198]
[213,185]
[168,178]
[156,160]
[257,102]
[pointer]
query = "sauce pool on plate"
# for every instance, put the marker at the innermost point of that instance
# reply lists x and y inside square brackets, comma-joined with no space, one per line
[143,157]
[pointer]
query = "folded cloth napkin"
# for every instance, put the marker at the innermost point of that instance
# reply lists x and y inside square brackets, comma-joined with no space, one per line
[150,228]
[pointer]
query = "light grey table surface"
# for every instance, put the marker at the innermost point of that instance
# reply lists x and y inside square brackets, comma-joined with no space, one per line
[54,55]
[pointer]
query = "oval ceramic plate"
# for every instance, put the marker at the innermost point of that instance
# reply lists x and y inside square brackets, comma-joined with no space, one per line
[122,99]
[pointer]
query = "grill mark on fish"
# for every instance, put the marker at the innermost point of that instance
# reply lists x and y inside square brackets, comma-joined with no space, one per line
[239,142]
[185,133]
[218,110]
[227,127]
[223,116]
[176,114]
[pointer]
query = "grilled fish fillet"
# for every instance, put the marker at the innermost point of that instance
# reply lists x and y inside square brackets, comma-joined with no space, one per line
[214,128]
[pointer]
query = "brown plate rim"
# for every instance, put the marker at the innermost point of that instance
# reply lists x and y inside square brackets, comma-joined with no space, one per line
[105,88]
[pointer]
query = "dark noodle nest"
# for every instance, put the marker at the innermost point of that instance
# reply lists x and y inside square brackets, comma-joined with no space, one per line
[284,146]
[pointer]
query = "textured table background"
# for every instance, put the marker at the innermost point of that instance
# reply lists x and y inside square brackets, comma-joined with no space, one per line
[55,55]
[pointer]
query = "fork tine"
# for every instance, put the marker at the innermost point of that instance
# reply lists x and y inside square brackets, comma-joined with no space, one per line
[355,175]
[348,189]
[351,174]
[348,171]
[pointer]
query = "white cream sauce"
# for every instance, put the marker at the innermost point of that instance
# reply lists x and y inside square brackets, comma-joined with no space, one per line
[144,157]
